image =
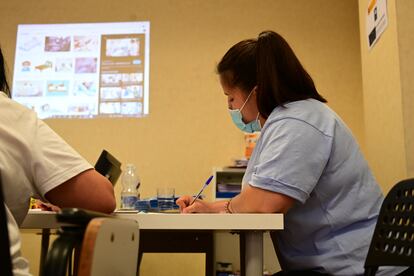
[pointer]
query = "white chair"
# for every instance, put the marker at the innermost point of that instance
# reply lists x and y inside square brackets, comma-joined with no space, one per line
[109,247]
[104,245]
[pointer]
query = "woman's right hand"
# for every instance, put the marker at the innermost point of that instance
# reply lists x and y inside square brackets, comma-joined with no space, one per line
[199,206]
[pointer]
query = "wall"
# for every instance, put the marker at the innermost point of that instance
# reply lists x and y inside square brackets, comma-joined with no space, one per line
[388,97]
[405,29]
[188,130]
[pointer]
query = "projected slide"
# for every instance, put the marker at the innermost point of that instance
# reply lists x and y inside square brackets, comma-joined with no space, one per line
[83,70]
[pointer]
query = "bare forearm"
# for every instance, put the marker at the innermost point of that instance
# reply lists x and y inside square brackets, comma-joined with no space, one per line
[255,200]
[88,190]
[250,200]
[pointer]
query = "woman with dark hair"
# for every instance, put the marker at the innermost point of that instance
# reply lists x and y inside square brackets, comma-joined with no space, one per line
[306,163]
[36,162]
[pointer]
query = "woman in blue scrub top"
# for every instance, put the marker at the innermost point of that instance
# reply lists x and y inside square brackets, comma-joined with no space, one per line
[306,163]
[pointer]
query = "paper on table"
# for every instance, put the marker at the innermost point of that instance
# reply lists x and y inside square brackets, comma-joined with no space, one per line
[126,211]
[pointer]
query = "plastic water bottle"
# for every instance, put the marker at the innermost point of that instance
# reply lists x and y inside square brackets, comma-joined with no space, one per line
[130,184]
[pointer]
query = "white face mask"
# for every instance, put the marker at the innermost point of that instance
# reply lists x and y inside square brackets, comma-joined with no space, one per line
[237,118]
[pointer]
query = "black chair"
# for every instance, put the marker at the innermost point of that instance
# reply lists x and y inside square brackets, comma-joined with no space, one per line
[393,241]
[6,263]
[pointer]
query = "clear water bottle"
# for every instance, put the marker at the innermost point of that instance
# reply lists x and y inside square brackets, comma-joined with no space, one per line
[130,184]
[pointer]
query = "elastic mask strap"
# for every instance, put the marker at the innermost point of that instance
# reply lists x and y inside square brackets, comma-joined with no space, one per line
[248,97]
[257,119]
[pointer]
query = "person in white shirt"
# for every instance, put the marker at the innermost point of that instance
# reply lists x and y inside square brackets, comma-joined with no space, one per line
[36,162]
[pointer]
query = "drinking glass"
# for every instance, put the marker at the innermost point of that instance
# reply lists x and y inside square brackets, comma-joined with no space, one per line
[165,199]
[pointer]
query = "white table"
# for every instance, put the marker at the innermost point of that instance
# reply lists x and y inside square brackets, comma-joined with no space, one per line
[252,224]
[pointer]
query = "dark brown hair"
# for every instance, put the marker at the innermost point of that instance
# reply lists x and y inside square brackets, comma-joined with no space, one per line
[269,63]
[4,86]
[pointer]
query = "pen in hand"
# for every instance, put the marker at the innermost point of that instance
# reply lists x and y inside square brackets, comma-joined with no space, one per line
[202,189]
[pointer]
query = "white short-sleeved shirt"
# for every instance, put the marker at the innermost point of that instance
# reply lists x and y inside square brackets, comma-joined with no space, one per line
[20,264]
[33,158]
[306,152]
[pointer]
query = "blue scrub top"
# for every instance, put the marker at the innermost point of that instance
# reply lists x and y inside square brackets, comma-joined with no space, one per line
[306,152]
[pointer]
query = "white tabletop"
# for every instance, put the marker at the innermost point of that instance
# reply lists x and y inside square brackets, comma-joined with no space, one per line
[175,221]
[253,224]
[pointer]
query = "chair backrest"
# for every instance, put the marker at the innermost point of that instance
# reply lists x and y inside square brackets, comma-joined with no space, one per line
[393,240]
[6,264]
[109,247]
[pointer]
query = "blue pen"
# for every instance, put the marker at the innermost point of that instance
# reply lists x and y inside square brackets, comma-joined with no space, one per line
[202,189]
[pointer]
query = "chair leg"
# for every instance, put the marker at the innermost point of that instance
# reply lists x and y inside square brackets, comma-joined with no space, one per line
[43,249]
[140,253]
[60,253]
[370,271]
[209,251]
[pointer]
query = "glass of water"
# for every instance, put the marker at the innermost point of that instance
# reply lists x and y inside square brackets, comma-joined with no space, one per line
[165,199]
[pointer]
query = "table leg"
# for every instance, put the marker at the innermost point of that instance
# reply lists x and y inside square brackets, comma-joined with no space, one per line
[254,253]
[242,245]
[43,249]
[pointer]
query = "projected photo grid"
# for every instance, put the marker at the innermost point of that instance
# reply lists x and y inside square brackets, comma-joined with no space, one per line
[121,86]
[78,75]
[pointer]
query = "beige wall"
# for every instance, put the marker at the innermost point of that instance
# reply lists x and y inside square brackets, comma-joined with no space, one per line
[405,27]
[388,97]
[188,130]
